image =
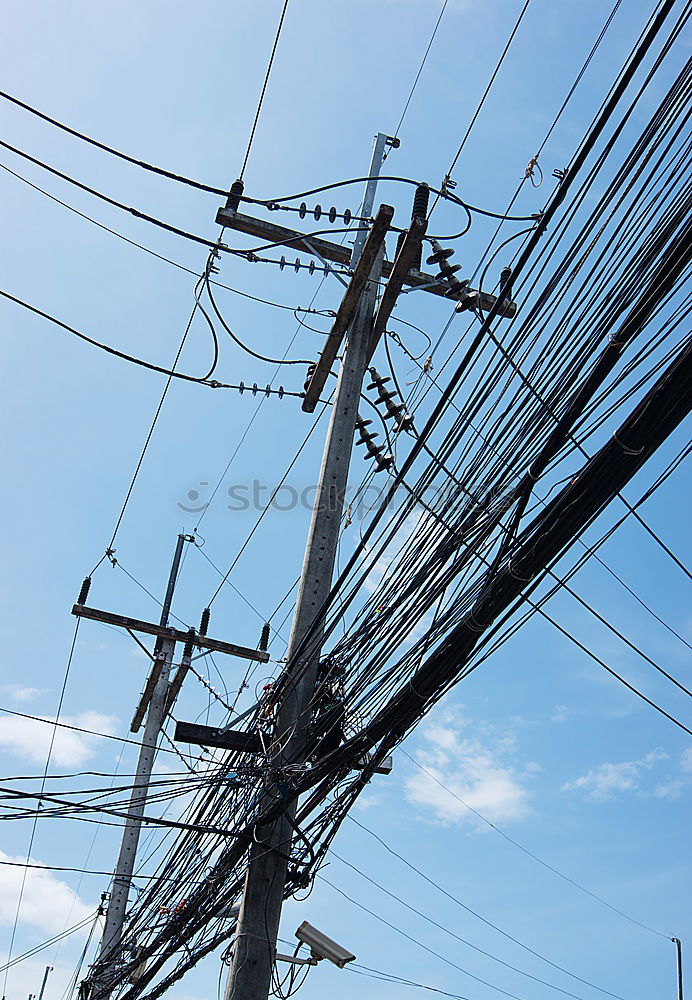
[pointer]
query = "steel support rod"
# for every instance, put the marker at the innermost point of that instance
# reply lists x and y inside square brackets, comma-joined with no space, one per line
[369,197]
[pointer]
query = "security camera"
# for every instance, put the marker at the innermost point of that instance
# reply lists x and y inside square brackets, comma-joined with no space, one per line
[322,946]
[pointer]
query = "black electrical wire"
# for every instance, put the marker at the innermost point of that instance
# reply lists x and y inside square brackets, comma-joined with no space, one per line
[202,380]
[81,729]
[413,940]
[487,90]
[210,244]
[494,958]
[514,843]
[273,203]
[418,74]
[45,944]
[239,342]
[148,250]
[109,149]
[55,724]
[264,87]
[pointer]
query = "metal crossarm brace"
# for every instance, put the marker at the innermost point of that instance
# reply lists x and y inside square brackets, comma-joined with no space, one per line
[209,736]
[348,306]
[271,233]
[163,632]
[339,254]
[402,266]
[152,681]
[177,682]
[236,739]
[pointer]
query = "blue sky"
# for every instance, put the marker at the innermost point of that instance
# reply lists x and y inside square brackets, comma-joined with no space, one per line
[539,739]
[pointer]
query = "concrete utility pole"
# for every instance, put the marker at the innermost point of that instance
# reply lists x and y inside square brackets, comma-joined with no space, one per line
[254,948]
[157,700]
[678,951]
[49,969]
[105,970]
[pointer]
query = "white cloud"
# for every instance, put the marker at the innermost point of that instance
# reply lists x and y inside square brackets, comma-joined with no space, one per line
[30,739]
[47,903]
[479,771]
[26,693]
[26,977]
[605,781]
[23,694]
[674,788]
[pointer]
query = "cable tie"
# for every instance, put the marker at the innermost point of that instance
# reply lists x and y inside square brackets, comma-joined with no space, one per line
[474,624]
[625,448]
[524,579]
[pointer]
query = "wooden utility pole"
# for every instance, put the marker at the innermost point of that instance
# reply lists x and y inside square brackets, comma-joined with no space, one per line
[254,948]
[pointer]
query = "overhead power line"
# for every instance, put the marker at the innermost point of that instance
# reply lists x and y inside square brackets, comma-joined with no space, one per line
[413,940]
[87,732]
[487,90]
[109,149]
[482,951]
[510,840]
[201,380]
[418,74]
[49,755]
[210,244]
[148,250]
[264,87]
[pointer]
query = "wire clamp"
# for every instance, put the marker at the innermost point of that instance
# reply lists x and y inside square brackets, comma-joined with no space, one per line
[532,166]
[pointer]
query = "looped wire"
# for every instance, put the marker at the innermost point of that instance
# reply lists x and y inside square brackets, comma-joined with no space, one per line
[474,624]
[627,450]
[524,579]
